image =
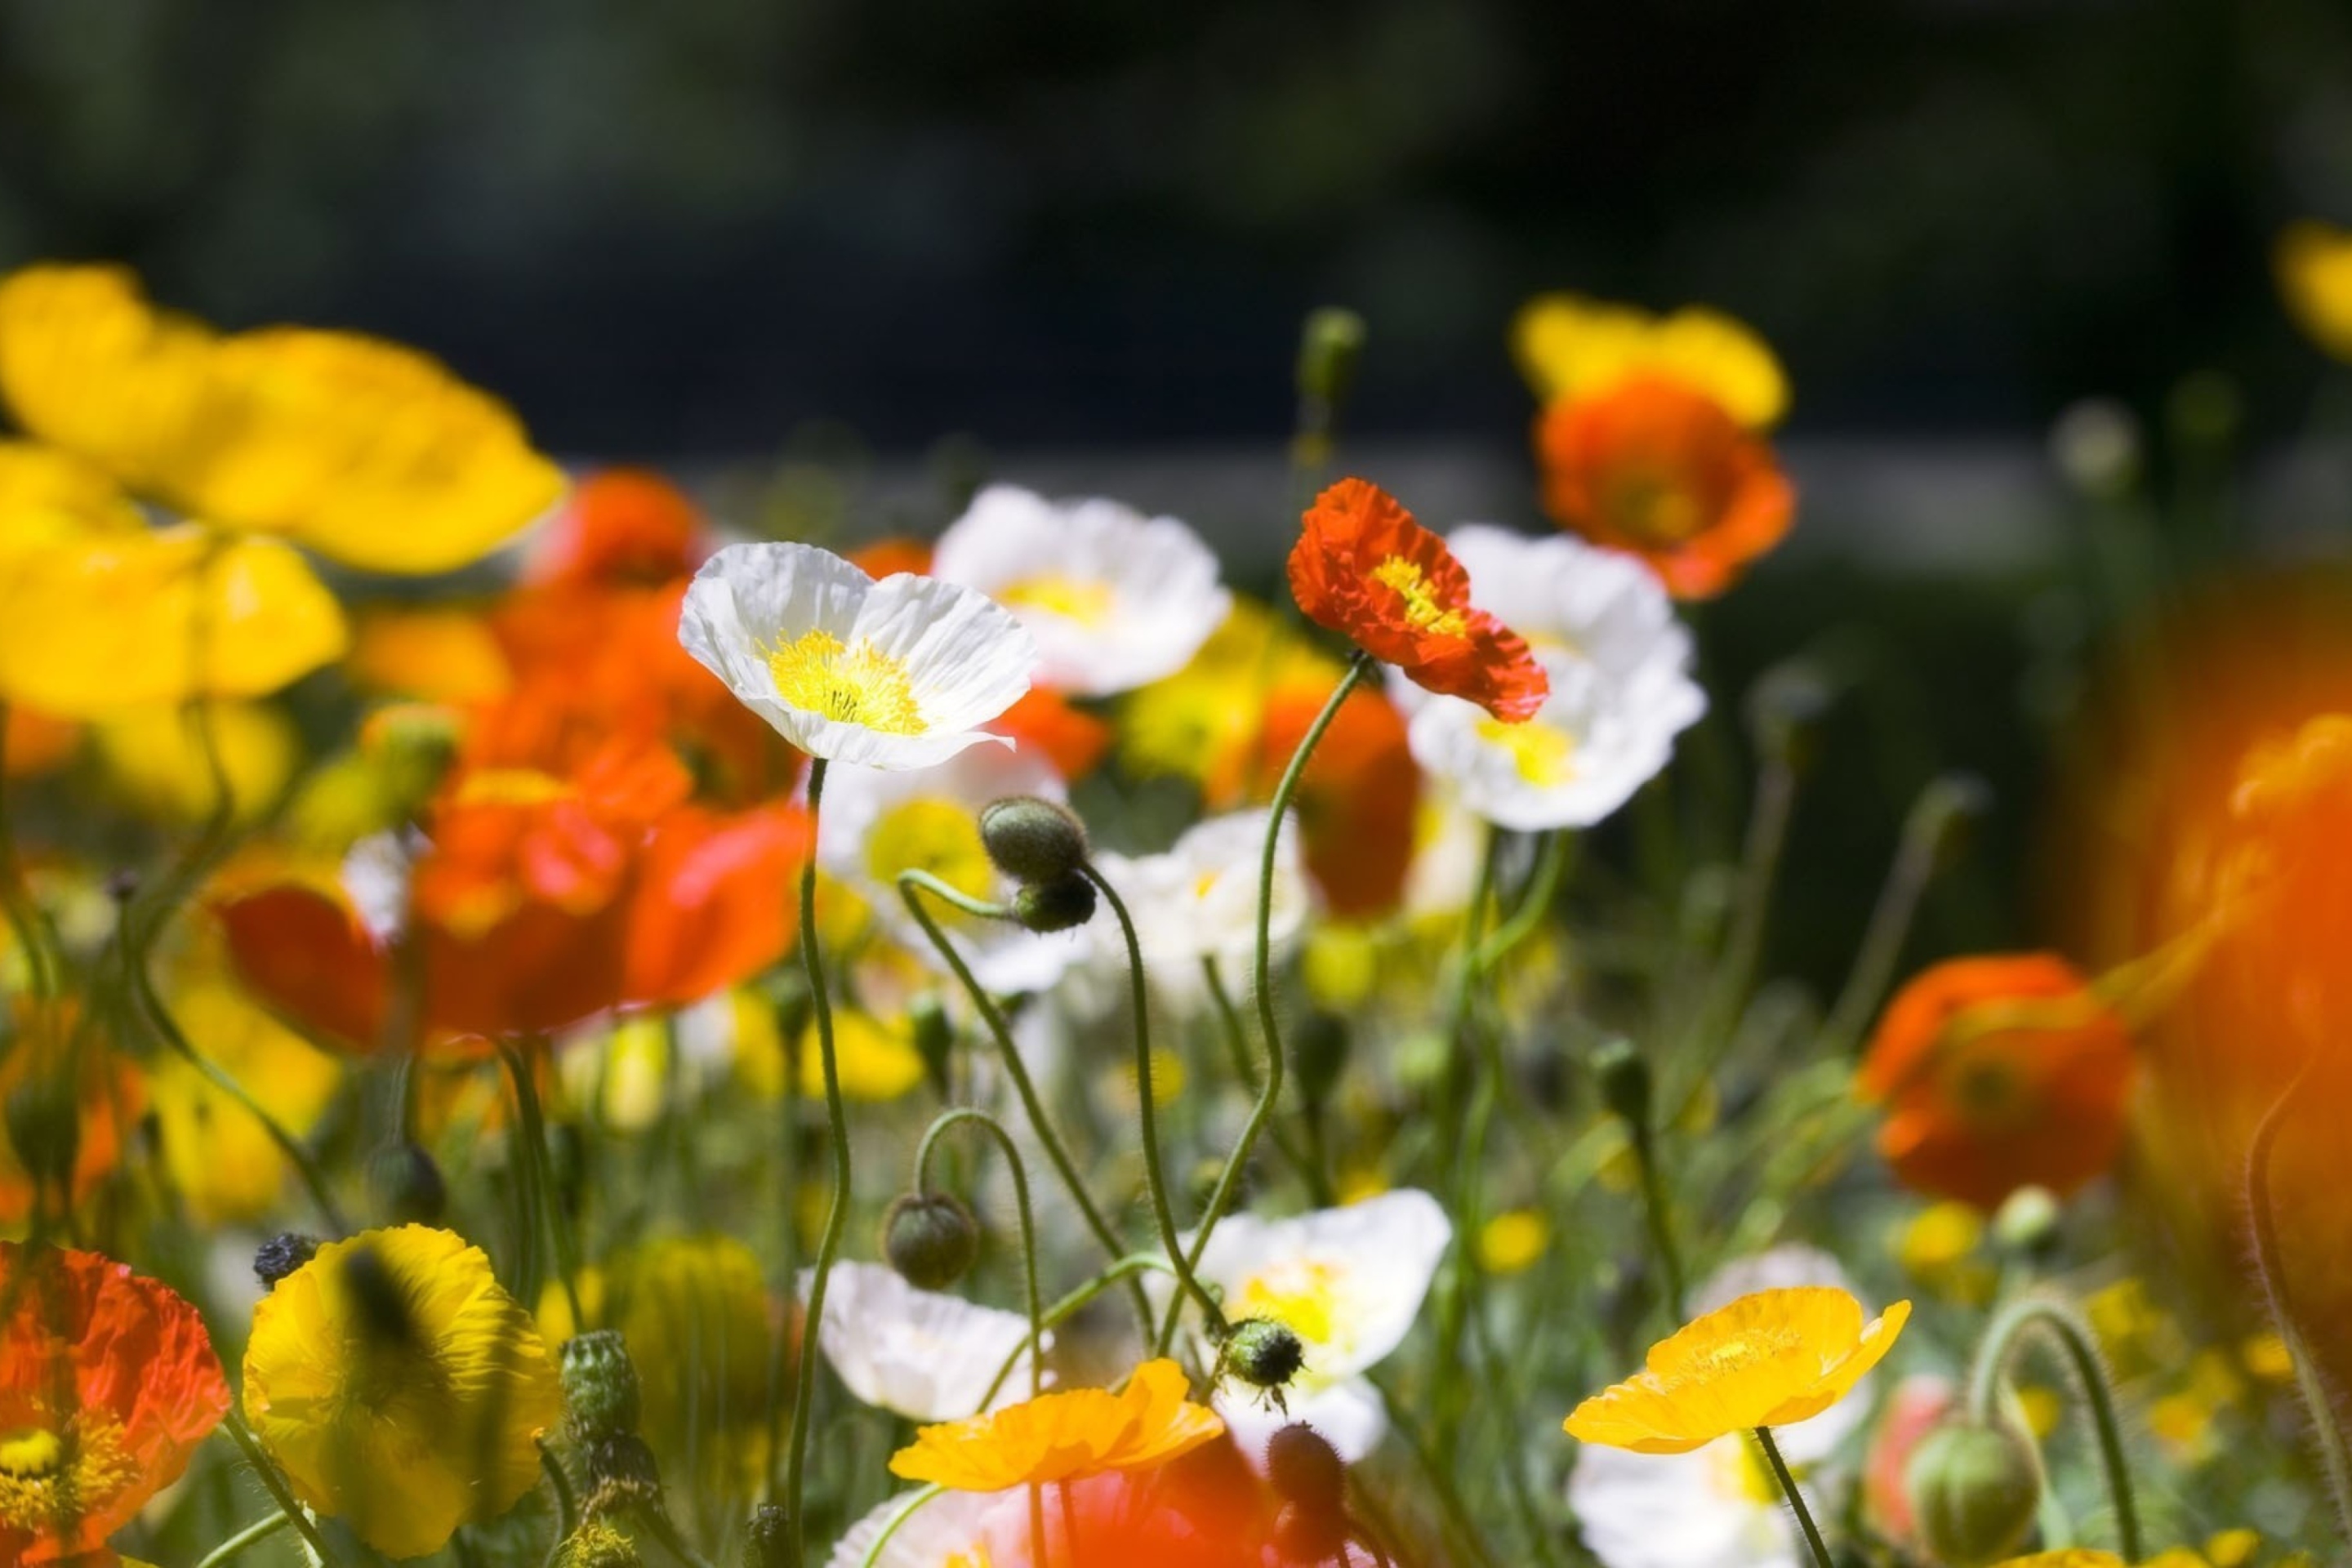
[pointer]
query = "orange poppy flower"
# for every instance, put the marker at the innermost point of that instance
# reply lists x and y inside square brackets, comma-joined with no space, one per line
[107,1384]
[1356,800]
[51,1048]
[886,556]
[1999,1073]
[1063,1437]
[621,526]
[33,742]
[1659,469]
[1072,739]
[1364,568]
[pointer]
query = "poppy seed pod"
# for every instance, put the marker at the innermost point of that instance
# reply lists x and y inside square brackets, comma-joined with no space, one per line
[1975,1490]
[931,1239]
[621,1477]
[1264,1353]
[1305,1469]
[281,1255]
[1033,840]
[1059,905]
[599,1386]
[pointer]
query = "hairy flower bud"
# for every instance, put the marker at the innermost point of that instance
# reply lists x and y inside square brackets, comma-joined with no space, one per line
[1033,840]
[1305,1469]
[281,1255]
[1329,346]
[1058,905]
[931,1239]
[1318,1051]
[45,1127]
[599,1386]
[1264,1353]
[621,1477]
[1974,1490]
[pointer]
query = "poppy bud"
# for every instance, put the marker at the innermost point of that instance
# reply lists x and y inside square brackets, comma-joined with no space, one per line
[1974,1491]
[1329,346]
[1318,1054]
[1304,1535]
[596,1544]
[934,1035]
[621,1477]
[280,1256]
[770,1540]
[45,1127]
[599,1386]
[2027,1221]
[1305,1469]
[407,1186]
[1033,840]
[412,745]
[1058,905]
[1624,1082]
[931,1239]
[1264,1353]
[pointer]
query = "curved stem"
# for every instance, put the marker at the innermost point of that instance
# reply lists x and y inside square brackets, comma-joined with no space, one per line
[1534,902]
[535,1155]
[995,1129]
[882,1537]
[567,1505]
[909,882]
[274,1484]
[1061,1311]
[1261,977]
[259,1531]
[836,1214]
[1149,1112]
[2001,1340]
[1796,1499]
[948,893]
[1310,1162]
[2269,1269]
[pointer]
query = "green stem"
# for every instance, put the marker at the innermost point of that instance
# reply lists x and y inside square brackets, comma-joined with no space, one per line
[995,1129]
[837,1214]
[1534,902]
[23,912]
[274,1484]
[1796,1499]
[910,883]
[1061,1311]
[1660,1219]
[261,1530]
[1914,866]
[1148,1113]
[1261,977]
[535,1156]
[882,1537]
[567,1505]
[1309,1163]
[2001,1344]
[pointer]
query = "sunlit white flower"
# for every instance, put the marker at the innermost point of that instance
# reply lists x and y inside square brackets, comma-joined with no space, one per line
[1715,1506]
[1200,898]
[926,1355]
[1115,599]
[1601,625]
[897,674]
[951,1529]
[1348,1282]
[878,823]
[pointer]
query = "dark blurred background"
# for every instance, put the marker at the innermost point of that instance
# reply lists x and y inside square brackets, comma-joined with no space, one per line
[673,229]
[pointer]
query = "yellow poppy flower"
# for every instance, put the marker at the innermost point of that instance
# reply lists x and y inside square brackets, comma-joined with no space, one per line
[1570,346]
[697,1308]
[156,761]
[399,1387]
[1767,1360]
[224,1163]
[1063,1437]
[2313,261]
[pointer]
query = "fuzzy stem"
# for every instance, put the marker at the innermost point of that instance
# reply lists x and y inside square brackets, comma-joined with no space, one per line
[259,1531]
[1796,1499]
[995,1129]
[2001,1344]
[266,1471]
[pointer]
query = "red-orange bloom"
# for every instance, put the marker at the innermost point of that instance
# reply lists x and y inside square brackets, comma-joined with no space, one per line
[1364,568]
[622,526]
[1070,738]
[885,557]
[1999,1073]
[107,1384]
[1660,471]
[1357,798]
[33,743]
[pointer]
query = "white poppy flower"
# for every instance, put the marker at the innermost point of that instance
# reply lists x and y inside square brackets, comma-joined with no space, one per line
[897,674]
[878,823]
[1348,1282]
[1603,630]
[948,1531]
[926,1355]
[1200,898]
[1115,600]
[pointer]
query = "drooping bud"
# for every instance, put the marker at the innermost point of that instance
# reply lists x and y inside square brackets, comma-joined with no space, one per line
[1785,709]
[1330,345]
[931,1239]
[1031,839]
[621,1477]
[1318,1054]
[934,1037]
[407,1186]
[770,1540]
[280,1256]
[1625,1079]
[1975,1490]
[1305,1469]
[599,1386]
[44,1122]
[1059,905]
[1264,1353]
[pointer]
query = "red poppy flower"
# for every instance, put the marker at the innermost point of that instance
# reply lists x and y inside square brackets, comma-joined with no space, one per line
[1660,471]
[620,526]
[1999,1073]
[1364,568]
[107,1384]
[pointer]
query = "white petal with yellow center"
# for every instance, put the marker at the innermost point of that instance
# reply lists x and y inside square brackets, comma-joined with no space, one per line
[950,1530]
[1199,899]
[927,1355]
[901,673]
[1116,600]
[1711,1507]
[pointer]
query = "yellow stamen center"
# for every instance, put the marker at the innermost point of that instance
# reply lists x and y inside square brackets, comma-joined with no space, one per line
[1542,754]
[1072,598]
[1422,613]
[1654,507]
[1297,1294]
[861,685]
[49,1480]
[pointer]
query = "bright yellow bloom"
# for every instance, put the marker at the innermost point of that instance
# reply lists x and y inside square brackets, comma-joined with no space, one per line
[399,1387]
[2313,261]
[364,451]
[224,1163]
[695,1312]
[156,760]
[1513,1241]
[1767,1360]
[1568,346]
[1063,1437]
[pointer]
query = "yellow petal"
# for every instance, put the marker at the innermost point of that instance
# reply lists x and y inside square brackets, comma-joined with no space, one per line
[156,760]
[86,365]
[1568,346]
[2315,274]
